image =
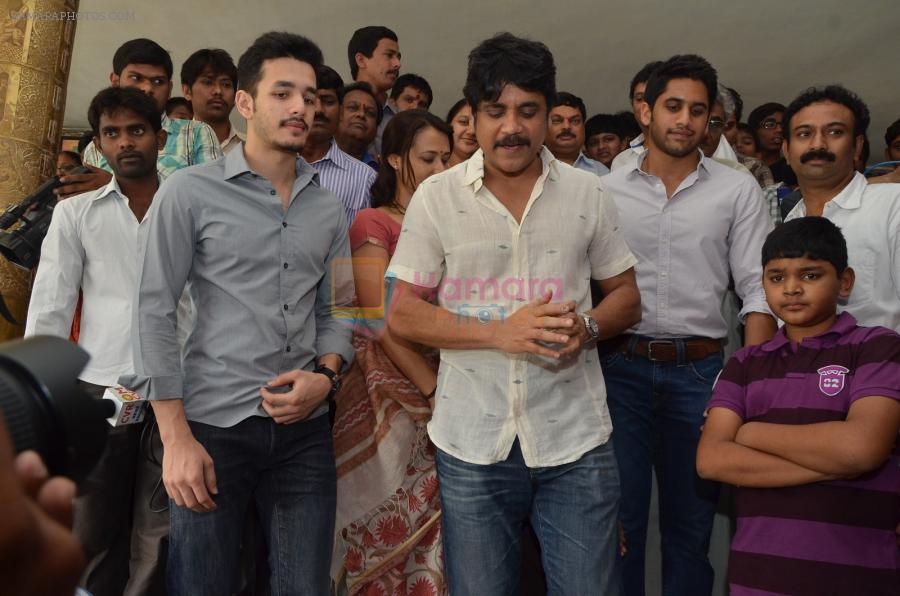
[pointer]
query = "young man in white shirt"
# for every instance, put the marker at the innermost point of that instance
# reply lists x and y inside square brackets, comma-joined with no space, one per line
[91,245]
[511,239]
[824,130]
[692,223]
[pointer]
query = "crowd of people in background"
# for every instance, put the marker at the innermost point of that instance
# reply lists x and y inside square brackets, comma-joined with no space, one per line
[386,350]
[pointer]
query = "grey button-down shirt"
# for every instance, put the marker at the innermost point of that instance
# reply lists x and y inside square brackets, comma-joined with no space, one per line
[265,283]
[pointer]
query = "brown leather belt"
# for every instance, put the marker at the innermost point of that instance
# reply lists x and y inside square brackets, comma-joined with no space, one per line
[664,350]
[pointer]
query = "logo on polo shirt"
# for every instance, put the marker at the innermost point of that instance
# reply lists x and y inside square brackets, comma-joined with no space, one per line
[831,379]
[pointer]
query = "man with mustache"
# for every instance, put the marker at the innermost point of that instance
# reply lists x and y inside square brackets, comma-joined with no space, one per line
[374,56]
[520,418]
[208,81]
[358,122]
[693,223]
[339,172]
[92,245]
[565,134]
[243,416]
[824,131]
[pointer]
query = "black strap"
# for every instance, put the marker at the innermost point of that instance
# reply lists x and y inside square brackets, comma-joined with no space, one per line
[4,312]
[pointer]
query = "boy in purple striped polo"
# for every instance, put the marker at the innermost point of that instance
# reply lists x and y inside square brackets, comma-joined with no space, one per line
[805,427]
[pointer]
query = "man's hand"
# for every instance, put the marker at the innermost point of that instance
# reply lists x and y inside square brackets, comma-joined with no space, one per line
[537,321]
[74,184]
[578,335]
[308,390]
[189,475]
[38,553]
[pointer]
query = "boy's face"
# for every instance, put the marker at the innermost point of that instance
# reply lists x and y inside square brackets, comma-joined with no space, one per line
[804,292]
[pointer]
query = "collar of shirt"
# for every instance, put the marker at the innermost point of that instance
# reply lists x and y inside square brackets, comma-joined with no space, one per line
[236,165]
[702,171]
[843,325]
[850,196]
[390,108]
[584,162]
[113,186]
[637,143]
[474,174]
[336,156]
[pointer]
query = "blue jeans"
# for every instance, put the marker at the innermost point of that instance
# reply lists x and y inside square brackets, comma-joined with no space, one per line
[288,472]
[657,413]
[572,508]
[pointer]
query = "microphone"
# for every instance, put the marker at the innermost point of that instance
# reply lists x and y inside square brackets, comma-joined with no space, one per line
[123,406]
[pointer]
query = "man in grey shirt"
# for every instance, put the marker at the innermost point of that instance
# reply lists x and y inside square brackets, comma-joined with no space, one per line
[244,418]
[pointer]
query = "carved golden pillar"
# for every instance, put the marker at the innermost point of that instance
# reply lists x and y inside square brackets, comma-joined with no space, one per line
[36,38]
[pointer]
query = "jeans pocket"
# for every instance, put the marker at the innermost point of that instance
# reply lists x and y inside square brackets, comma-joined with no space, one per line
[706,371]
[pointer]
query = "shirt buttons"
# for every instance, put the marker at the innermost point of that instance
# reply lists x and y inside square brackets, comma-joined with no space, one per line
[287,349]
[285,307]
[285,265]
[284,224]
[272,192]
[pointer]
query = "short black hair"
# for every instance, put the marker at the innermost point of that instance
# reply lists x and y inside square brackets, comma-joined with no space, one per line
[87,137]
[270,46]
[328,78]
[684,66]
[815,238]
[364,41]
[218,61]
[361,86]
[629,123]
[604,123]
[642,76]
[509,60]
[141,51]
[833,93]
[892,132]
[754,120]
[455,108]
[112,99]
[570,100]
[73,155]
[174,102]
[412,80]
[738,104]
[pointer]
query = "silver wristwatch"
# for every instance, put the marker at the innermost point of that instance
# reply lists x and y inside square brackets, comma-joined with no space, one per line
[591,325]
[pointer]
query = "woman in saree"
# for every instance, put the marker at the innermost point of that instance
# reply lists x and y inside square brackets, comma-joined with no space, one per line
[388,512]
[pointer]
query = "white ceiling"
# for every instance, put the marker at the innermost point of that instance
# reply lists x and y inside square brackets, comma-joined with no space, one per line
[769,50]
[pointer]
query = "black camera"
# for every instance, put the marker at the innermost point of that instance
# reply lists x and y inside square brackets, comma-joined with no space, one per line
[44,408]
[22,246]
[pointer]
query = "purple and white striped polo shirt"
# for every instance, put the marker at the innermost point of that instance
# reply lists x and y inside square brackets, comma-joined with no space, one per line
[828,537]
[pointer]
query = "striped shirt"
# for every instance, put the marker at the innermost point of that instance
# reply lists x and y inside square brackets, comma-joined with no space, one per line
[188,142]
[827,537]
[348,178]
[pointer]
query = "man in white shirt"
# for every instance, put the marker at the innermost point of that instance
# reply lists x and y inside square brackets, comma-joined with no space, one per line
[91,244]
[692,223]
[565,134]
[636,90]
[824,130]
[510,240]
[209,82]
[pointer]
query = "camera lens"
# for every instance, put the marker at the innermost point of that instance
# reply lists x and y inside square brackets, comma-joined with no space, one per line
[44,408]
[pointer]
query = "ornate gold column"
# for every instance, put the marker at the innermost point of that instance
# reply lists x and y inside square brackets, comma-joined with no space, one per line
[36,38]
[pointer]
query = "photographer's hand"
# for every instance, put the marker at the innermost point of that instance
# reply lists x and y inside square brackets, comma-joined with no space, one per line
[38,553]
[74,184]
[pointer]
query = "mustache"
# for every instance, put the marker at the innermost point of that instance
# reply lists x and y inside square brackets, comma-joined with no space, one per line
[513,141]
[566,134]
[823,154]
[127,154]
[320,117]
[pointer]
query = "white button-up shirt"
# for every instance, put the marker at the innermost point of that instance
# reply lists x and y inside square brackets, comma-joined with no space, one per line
[91,244]
[458,237]
[714,225]
[869,217]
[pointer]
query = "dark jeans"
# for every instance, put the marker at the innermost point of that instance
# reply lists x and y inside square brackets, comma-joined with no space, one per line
[288,472]
[657,413]
[572,507]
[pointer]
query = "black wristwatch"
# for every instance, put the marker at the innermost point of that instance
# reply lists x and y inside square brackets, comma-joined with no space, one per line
[333,377]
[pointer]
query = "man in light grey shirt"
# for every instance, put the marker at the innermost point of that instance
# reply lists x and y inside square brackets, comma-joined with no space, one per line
[692,222]
[244,418]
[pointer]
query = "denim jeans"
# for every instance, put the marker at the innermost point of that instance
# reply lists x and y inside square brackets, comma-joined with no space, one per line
[657,413]
[288,473]
[572,507]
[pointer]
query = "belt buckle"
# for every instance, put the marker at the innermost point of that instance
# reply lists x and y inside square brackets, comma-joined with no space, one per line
[656,341]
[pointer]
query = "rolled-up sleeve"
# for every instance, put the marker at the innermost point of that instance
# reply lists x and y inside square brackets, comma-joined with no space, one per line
[748,233]
[334,294]
[165,254]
